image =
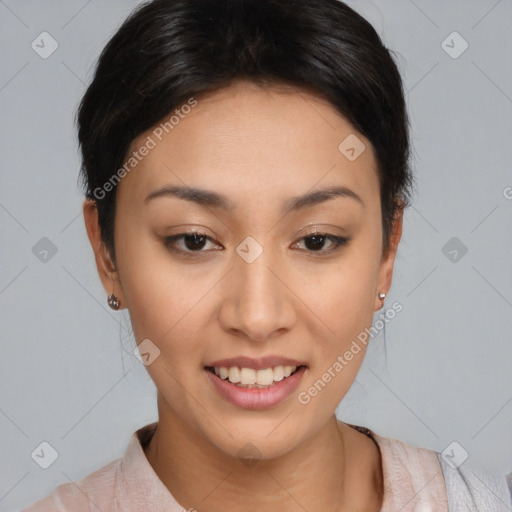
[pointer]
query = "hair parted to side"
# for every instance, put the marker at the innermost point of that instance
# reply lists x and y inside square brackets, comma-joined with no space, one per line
[168,51]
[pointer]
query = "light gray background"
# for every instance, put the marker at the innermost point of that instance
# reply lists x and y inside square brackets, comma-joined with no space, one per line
[67,375]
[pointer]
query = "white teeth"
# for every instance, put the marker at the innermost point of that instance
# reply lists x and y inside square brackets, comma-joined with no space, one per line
[234,374]
[248,377]
[265,377]
[278,373]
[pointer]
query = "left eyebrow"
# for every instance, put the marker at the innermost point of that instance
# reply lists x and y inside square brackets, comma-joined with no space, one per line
[215,200]
[320,196]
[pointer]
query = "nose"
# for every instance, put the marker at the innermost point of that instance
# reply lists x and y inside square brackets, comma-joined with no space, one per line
[259,302]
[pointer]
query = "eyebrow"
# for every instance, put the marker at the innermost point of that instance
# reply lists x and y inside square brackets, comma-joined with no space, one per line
[215,200]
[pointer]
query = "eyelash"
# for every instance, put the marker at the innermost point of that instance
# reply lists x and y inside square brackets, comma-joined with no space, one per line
[338,242]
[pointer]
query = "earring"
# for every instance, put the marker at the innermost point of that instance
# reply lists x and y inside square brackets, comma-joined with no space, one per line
[382,296]
[112,299]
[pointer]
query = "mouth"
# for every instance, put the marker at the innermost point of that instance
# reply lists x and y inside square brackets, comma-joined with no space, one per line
[255,384]
[250,378]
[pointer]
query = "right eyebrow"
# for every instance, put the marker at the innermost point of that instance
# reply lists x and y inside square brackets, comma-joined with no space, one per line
[197,195]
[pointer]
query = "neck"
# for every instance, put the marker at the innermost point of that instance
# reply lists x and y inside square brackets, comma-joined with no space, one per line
[336,469]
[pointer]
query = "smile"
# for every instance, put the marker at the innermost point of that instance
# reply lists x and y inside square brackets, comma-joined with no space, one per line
[255,384]
[251,378]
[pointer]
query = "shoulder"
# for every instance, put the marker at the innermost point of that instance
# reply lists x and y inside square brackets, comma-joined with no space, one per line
[469,486]
[413,479]
[96,491]
[123,484]
[474,486]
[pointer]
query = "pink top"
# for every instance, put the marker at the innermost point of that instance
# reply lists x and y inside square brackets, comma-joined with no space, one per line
[413,481]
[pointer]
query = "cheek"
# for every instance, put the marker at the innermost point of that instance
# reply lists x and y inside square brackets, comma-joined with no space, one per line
[343,295]
[168,312]
[345,305]
[160,297]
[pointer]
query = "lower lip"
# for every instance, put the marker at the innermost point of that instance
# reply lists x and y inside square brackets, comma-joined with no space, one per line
[257,398]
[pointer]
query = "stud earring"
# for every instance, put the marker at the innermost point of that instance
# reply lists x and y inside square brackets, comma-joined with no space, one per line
[382,296]
[112,299]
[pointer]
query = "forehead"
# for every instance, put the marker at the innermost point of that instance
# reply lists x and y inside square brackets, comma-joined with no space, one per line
[250,141]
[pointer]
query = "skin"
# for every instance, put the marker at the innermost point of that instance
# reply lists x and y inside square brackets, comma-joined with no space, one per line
[259,147]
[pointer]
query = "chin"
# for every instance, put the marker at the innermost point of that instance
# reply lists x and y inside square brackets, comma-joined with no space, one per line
[258,439]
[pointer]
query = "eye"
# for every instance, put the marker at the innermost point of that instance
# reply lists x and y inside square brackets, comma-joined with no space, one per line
[316,241]
[193,242]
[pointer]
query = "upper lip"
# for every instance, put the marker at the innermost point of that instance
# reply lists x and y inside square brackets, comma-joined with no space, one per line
[260,363]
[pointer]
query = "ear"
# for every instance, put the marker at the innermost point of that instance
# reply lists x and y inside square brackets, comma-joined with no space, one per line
[388,258]
[104,264]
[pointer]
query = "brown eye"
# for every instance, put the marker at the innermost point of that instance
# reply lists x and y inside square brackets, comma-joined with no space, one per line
[316,242]
[192,242]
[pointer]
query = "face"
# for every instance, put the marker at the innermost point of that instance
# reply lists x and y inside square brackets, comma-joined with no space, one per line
[269,281]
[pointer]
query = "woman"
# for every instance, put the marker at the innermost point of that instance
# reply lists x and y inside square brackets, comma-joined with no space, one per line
[246,173]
